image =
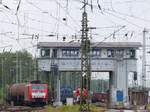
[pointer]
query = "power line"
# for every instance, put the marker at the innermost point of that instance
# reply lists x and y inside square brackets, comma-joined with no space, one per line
[124,19]
[68,13]
[110,35]
[51,16]
[12,23]
[131,1]
[127,15]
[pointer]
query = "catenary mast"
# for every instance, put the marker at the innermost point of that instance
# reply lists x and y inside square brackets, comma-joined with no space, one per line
[85,63]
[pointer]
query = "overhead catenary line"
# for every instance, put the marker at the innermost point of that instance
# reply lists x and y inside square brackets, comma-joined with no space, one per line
[131,1]
[123,19]
[36,29]
[18,6]
[52,16]
[110,35]
[111,12]
[131,16]
[32,19]
[67,13]
[4,5]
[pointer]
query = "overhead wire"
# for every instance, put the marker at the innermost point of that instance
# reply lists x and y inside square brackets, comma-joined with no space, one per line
[13,39]
[111,4]
[132,1]
[48,35]
[107,11]
[12,23]
[52,16]
[123,19]
[101,9]
[18,24]
[110,35]
[4,5]
[132,16]
[55,26]
[32,19]
[58,22]
[18,21]
[36,20]
[67,12]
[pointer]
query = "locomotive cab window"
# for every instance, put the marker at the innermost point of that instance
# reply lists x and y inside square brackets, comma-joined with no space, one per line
[38,87]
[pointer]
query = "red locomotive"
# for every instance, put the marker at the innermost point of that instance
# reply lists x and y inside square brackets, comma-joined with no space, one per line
[28,94]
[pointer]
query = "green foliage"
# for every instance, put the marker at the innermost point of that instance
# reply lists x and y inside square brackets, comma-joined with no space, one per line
[69,109]
[64,109]
[10,64]
[1,95]
[74,108]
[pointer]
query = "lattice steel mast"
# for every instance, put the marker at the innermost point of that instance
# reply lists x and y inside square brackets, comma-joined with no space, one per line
[85,63]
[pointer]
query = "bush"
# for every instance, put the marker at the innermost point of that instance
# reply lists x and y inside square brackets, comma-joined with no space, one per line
[1,95]
[74,108]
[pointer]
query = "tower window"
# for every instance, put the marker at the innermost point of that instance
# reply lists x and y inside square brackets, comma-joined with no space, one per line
[45,52]
[132,53]
[110,53]
[70,52]
[96,52]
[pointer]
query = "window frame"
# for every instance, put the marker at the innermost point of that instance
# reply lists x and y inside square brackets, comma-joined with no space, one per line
[96,52]
[46,52]
[112,51]
[67,52]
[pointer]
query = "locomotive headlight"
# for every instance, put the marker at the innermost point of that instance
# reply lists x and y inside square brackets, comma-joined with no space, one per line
[38,95]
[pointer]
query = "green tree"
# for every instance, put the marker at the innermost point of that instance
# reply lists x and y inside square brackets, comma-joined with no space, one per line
[20,62]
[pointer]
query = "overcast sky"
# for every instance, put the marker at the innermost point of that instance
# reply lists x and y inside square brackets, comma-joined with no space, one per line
[63,19]
[45,17]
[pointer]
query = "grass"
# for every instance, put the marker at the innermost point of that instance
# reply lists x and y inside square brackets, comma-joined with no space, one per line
[74,108]
[148,107]
[1,95]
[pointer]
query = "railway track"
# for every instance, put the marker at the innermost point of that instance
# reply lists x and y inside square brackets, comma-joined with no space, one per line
[21,109]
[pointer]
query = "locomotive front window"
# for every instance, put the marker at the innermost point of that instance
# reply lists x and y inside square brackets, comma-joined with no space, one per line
[38,87]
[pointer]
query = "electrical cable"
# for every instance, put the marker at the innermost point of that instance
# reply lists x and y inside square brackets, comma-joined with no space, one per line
[51,16]
[132,1]
[110,35]
[12,23]
[124,19]
[135,17]
[68,13]
[23,26]
[58,22]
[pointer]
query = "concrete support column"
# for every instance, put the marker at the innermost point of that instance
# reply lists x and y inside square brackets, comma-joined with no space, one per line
[122,79]
[111,89]
[119,81]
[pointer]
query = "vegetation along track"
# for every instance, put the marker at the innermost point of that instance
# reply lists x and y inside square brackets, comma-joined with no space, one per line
[21,109]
